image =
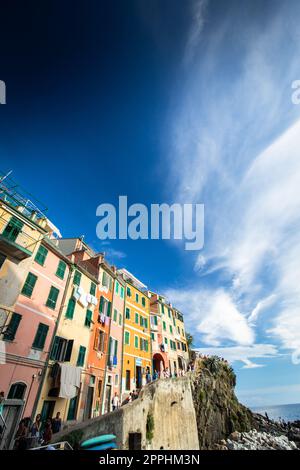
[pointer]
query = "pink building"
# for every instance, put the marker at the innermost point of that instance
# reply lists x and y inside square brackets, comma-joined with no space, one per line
[31,326]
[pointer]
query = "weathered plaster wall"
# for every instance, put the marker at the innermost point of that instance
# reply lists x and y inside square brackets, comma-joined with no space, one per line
[166,405]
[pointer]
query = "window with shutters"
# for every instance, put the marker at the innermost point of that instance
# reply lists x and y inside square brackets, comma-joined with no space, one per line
[93,288]
[127,338]
[143,302]
[120,319]
[164,326]
[107,280]
[136,318]
[136,341]
[77,278]
[127,313]
[62,349]
[10,332]
[100,340]
[128,291]
[152,336]
[71,308]
[52,298]
[115,315]
[81,356]
[162,308]
[145,323]
[105,306]
[122,293]
[29,285]
[61,269]
[137,298]
[171,329]
[40,337]
[41,255]
[141,321]
[117,287]
[88,318]
[12,229]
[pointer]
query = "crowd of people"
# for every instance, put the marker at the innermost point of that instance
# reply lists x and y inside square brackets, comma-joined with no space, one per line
[37,433]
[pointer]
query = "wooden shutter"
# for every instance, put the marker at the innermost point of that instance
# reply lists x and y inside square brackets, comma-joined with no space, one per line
[69,350]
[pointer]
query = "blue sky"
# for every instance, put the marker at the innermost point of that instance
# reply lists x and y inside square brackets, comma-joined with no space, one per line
[173,102]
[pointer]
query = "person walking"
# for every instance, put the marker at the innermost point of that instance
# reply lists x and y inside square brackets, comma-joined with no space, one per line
[115,402]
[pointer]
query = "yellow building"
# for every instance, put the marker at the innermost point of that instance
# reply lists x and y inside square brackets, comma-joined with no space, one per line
[182,348]
[66,374]
[137,354]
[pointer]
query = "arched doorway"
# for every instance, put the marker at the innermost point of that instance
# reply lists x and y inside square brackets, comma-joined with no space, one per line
[180,363]
[158,362]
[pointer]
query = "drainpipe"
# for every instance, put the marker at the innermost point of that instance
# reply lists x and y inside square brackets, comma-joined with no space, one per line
[28,395]
[44,371]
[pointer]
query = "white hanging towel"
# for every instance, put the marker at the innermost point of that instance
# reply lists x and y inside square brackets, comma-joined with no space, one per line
[69,381]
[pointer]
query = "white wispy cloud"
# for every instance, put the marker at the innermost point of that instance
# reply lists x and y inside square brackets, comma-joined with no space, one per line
[194,36]
[236,148]
[243,353]
[213,315]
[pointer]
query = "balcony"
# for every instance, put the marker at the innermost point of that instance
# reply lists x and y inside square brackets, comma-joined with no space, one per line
[14,241]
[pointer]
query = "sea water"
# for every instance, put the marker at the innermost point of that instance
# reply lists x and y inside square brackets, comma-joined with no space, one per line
[276,412]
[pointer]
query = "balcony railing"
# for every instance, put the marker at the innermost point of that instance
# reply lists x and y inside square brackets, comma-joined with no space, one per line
[14,241]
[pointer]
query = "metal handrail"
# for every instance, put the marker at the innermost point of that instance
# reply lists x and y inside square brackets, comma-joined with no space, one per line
[63,445]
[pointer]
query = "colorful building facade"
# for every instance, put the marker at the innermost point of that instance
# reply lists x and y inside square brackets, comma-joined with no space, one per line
[66,373]
[137,355]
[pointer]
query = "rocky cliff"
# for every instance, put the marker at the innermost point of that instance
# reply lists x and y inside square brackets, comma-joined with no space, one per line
[218,412]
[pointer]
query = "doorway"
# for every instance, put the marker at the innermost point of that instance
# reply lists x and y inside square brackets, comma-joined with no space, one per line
[47,412]
[107,398]
[89,404]
[138,375]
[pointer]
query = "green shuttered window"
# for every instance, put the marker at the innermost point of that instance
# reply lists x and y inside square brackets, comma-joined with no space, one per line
[12,229]
[88,318]
[127,337]
[61,269]
[40,337]
[41,255]
[29,284]
[70,309]
[10,332]
[81,356]
[93,288]
[77,278]
[52,298]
